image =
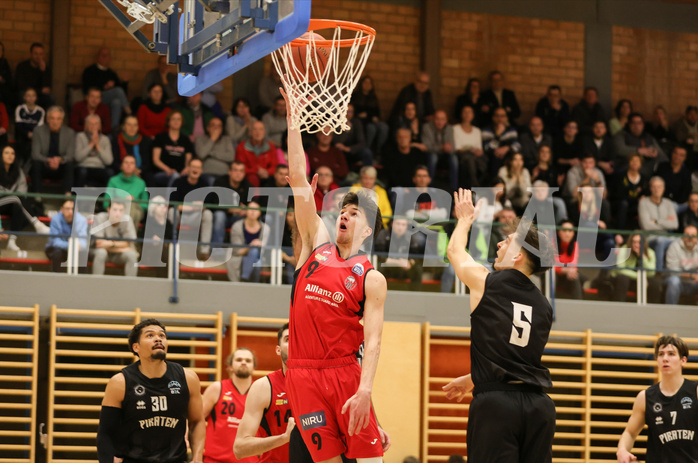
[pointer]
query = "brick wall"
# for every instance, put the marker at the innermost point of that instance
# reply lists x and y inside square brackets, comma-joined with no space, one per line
[655,67]
[532,54]
[21,24]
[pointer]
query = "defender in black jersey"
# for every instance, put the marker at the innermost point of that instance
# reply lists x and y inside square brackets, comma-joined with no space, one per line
[669,408]
[147,405]
[510,418]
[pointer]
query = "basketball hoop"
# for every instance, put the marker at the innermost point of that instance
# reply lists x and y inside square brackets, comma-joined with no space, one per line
[322,104]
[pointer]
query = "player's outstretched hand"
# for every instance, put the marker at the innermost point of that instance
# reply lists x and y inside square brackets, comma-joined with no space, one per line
[289,427]
[458,388]
[359,407]
[464,207]
[385,439]
[313,183]
[625,457]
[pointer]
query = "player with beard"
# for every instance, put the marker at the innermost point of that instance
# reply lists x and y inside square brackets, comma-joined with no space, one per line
[224,406]
[146,406]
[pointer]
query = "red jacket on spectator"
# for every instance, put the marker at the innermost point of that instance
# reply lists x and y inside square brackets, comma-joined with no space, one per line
[80,112]
[152,119]
[565,258]
[332,158]
[4,120]
[256,157]
[320,196]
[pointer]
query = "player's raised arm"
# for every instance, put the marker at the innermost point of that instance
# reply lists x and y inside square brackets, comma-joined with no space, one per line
[246,442]
[310,227]
[359,405]
[467,269]
[197,423]
[633,428]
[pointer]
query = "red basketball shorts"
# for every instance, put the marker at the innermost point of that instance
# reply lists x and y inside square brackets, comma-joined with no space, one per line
[318,389]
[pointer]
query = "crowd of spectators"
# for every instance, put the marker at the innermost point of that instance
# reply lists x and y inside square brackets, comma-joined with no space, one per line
[612,173]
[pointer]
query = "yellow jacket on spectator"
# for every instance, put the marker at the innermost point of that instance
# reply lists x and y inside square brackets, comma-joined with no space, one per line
[382,199]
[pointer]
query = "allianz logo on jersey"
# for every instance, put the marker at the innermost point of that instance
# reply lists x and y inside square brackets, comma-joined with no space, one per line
[174,387]
[337,296]
[233,422]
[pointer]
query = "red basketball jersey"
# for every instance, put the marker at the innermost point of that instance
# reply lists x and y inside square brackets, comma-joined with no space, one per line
[276,417]
[222,426]
[327,304]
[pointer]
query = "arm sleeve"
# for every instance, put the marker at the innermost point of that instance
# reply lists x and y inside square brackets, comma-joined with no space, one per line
[109,423]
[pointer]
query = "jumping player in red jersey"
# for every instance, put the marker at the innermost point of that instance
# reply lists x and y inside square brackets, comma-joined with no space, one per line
[224,406]
[267,407]
[335,287]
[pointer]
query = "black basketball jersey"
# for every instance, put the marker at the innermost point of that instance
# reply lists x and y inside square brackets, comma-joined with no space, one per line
[672,423]
[509,330]
[154,416]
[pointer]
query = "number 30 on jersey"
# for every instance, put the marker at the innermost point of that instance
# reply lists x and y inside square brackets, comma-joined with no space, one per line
[521,324]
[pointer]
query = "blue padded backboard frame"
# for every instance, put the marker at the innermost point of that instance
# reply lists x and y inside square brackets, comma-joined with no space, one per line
[244,25]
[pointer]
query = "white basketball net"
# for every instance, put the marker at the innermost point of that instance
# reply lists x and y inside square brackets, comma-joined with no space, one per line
[322,105]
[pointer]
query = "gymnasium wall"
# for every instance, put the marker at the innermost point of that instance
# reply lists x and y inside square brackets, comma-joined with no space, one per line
[21,24]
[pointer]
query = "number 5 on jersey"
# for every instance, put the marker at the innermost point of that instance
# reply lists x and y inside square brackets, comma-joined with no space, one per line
[522,318]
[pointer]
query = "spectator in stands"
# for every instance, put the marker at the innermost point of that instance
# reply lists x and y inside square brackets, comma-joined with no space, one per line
[325,184]
[677,178]
[268,93]
[399,254]
[437,136]
[367,177]
[541,201]
[633,138]
[352,142]
[600,144]
[686,129]
[225,218]
[164,76]
[545,170]
[624,108]
[193,214]
[641,256]
[499,97]
[215,149]
[196,117]
[499,140]
[324,154]
[408,119]
[567,147]
[92,104]
[682,258]
[209,98]
[588,111]
[532,140]
[471,97]
[6,82]
[517,180]
[129,142]
[659,129]
[426,206]
[34,73]
[275,121]
[258,155]
[569,281]
[289,260]
[250,237]
[53,148]
[160,229]
[12,180]
[93,156]
[631,187]
[467,142]
[128,185]
[101,76]
[418,93]
[586,173]
[553,111]
[239,123]
[62,225]
[172,152]
[367,109]
[657,213]
[402,158]
[28,117]
[109,229]
[152,114]
[278,180]
[592,212]
[690,217]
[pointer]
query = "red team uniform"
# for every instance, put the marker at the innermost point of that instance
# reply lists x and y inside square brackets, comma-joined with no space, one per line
[222,426]
[325,336]
[275,419]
